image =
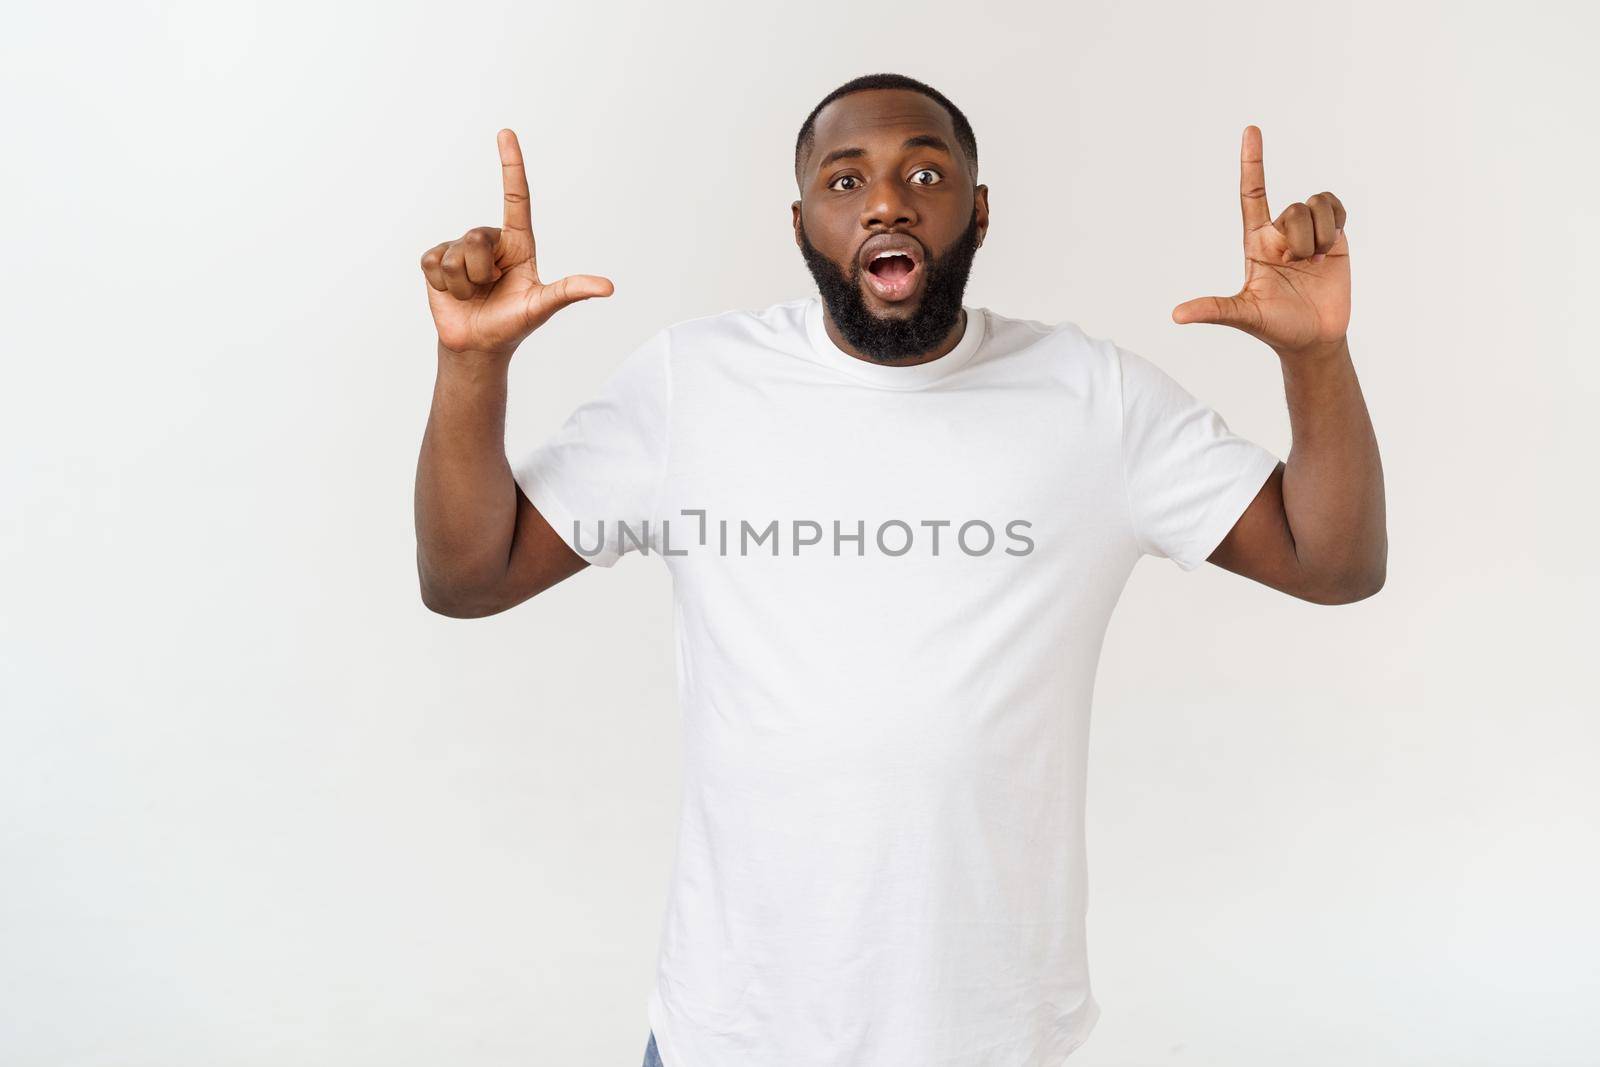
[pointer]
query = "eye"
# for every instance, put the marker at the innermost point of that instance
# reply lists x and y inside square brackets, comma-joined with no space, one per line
[841,178]
[937,177]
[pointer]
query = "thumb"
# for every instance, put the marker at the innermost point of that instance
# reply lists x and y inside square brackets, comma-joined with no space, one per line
[1221,310]
[548,299]
[576,287]
[545,300]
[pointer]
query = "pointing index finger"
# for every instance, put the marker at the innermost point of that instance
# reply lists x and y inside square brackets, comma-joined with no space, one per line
[1252,182]
[515,182]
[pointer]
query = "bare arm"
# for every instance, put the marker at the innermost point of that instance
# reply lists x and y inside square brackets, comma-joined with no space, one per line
[1316,530]
[481,546]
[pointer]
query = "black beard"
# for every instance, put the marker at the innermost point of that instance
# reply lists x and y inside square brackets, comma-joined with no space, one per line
[887,339]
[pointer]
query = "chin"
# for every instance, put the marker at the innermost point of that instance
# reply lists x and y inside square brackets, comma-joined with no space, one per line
[902,310]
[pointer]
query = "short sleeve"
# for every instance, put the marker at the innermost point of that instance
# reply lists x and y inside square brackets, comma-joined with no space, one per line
[597,479]
[1188,476]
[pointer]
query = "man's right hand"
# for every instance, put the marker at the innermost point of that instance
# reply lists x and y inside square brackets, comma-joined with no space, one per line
[484,289]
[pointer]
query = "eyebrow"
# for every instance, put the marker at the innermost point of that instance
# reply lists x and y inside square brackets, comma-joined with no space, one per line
[921,140]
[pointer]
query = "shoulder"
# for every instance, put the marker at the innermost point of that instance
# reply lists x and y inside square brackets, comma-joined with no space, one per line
[1062,335]
[1063,349]
[742,326]
[1074,352]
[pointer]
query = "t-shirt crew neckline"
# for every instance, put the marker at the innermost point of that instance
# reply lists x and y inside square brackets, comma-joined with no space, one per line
[884,376]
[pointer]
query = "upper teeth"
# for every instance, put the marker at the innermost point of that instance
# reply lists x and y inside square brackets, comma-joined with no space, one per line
[880,255]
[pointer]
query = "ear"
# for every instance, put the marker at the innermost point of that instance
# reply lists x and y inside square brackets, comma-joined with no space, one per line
[980,198]
[795,208]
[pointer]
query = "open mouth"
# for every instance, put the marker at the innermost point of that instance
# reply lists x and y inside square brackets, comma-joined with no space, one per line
[892,276]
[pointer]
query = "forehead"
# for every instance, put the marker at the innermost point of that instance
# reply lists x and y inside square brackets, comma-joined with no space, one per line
[879,118]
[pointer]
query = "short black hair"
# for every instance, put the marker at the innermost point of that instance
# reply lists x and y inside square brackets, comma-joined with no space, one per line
[964,135]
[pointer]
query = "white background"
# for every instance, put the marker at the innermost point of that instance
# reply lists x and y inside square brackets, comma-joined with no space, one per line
[259,807]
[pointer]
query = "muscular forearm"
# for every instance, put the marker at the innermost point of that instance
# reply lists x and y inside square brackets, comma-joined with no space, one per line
[1333,479]
[466,499]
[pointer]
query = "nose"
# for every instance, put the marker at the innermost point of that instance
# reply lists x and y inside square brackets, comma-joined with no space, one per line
[887,206]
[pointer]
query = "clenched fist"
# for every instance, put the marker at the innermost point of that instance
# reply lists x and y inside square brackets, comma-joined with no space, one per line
[484,289]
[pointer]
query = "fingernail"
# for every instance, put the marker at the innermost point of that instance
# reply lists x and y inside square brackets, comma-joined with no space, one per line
[1319,257]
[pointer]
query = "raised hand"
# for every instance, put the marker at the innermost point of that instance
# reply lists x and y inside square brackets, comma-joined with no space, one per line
[484,289]
[1296,294]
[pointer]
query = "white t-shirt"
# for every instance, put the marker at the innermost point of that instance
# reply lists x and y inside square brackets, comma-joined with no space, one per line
[891,586]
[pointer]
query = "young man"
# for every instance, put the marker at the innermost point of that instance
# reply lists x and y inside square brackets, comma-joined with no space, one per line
[896,527]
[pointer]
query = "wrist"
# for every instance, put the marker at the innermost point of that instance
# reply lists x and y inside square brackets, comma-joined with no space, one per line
[1321,352]
[469,357]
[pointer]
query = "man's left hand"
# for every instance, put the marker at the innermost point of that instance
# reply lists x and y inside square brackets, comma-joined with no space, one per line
[1296,294]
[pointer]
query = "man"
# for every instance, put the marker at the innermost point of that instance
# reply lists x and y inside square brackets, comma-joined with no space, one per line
[897,527]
